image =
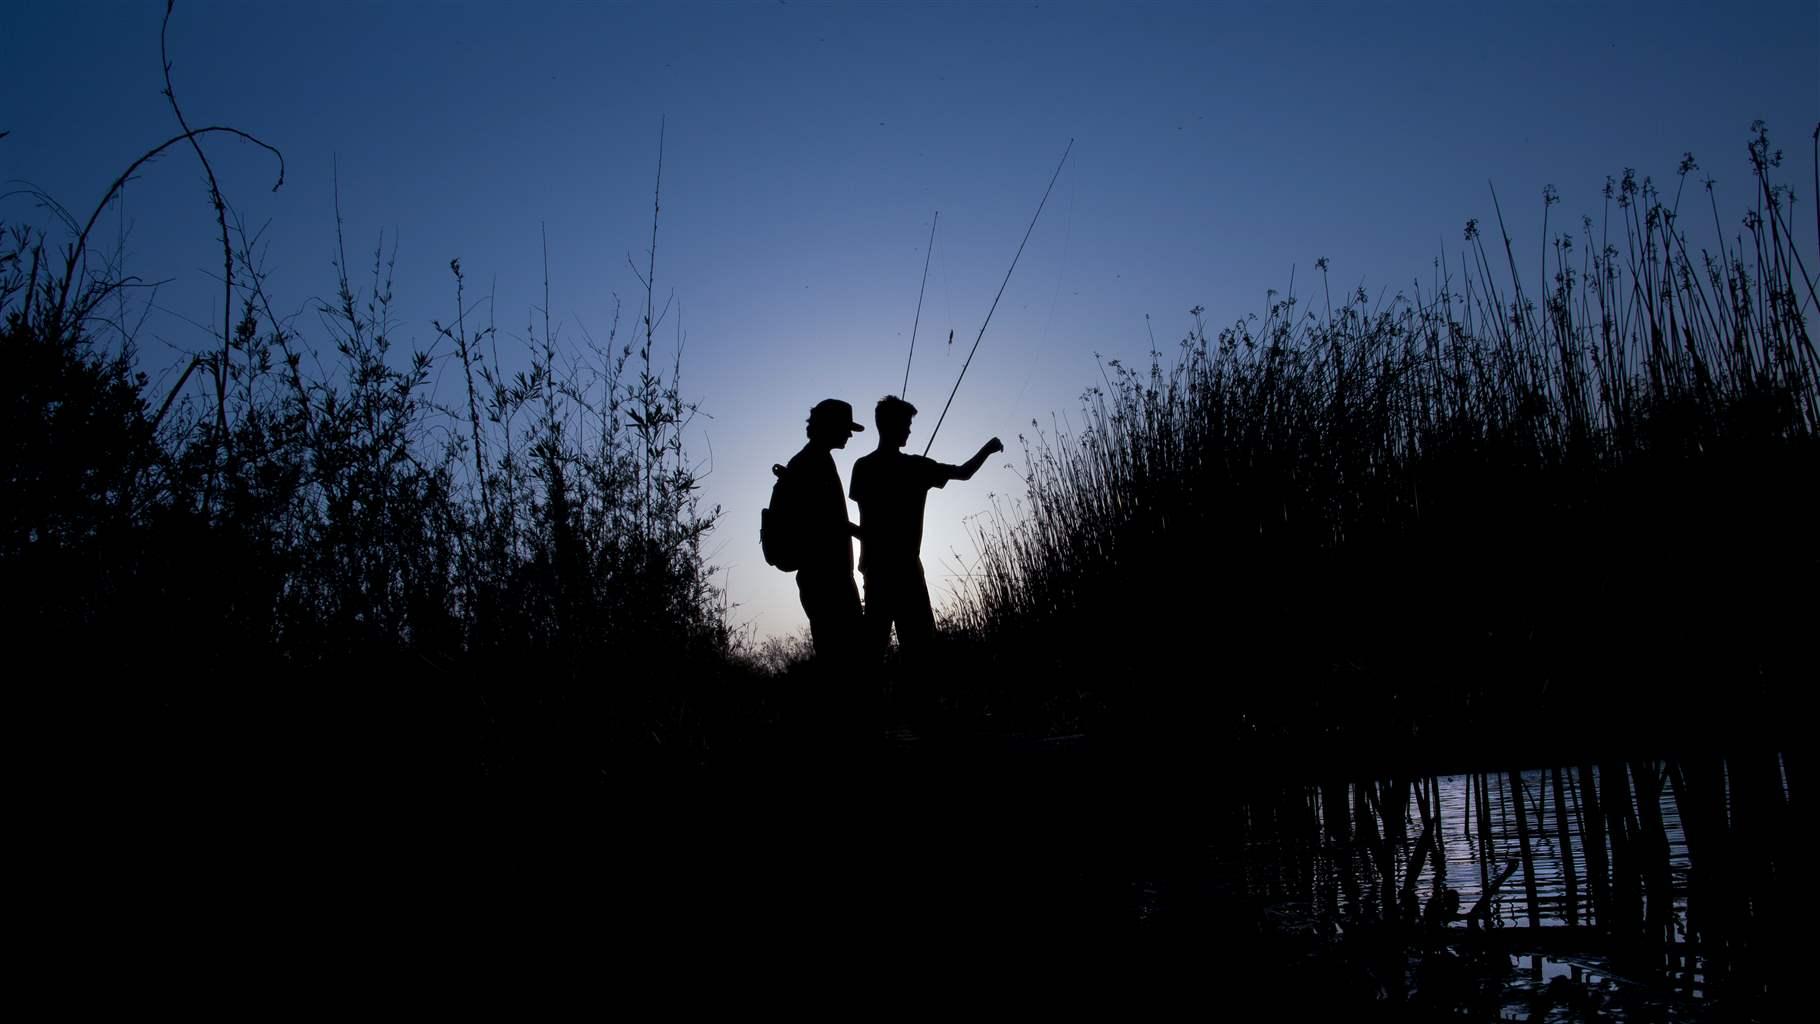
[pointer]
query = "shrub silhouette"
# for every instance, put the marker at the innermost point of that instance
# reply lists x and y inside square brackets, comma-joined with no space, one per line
[1476,514]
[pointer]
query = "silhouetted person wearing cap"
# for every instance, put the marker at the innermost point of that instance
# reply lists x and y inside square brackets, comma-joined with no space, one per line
[824,579]
[891,488]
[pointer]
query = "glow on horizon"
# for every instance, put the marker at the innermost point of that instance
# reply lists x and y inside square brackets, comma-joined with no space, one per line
[1219,148]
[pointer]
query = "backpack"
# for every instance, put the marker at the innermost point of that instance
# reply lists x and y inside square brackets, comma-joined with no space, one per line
[779,532]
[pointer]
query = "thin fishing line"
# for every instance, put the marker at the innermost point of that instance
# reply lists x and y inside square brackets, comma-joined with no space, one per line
[927,252]
[1000,295]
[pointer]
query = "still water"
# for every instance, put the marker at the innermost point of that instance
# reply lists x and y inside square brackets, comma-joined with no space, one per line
[1520,852]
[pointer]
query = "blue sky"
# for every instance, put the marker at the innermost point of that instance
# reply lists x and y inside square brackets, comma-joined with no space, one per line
[1217,146]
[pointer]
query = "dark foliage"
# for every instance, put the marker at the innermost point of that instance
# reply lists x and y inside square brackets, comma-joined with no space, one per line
[1479,515]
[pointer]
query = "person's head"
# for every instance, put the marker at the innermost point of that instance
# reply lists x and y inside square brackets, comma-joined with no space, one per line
[831,423]
[893,417]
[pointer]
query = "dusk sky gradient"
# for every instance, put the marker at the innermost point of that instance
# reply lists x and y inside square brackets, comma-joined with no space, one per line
[807,146]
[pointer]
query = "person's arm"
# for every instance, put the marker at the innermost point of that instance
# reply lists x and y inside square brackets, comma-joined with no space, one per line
[972,466]
[854,490]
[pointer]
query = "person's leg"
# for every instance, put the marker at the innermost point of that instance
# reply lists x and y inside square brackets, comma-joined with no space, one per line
[831,600]
[808,711]
[915,617]
[880,673]
[915,637]
[890,599]
[812,588]
[848,676]
[847,618]
[877,615]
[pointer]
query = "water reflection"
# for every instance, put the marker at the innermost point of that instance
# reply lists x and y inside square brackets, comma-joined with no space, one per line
[1660,872]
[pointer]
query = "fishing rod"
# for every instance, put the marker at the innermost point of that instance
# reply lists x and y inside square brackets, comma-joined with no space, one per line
[1000,295]
[919,304]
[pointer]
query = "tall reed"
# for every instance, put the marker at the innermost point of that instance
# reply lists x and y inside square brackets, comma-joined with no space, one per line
[1491,504]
